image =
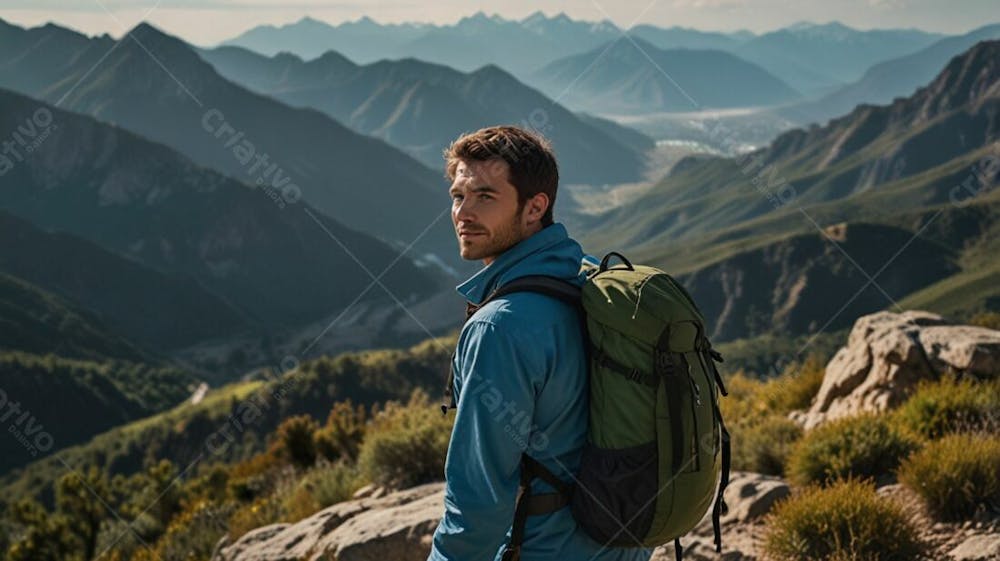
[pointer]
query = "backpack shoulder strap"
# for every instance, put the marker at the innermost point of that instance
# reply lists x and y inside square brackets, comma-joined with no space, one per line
[541,284]
[529,504]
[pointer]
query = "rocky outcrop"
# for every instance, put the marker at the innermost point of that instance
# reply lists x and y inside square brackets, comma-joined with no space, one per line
[751,495]
[888,354]
[395,527]
[980,547]
[398,527]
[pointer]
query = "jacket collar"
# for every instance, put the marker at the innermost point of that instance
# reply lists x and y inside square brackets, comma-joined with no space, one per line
[505,268]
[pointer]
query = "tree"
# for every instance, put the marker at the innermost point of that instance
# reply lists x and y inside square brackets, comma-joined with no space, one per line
[40,536]
[296,440]
[81,498]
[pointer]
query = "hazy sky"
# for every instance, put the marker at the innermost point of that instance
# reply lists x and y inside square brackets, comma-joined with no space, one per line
[209,21]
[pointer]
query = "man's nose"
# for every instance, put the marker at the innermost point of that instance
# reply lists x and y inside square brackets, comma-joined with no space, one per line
[465,211]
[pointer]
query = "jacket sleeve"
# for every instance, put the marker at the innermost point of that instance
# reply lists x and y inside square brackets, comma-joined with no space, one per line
[496,403]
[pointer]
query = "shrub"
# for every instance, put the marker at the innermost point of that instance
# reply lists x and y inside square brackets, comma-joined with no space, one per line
[262,512]
[295,440]
[764,446]
[793,389]
[796,387]
[192,534]
[845,521]
[951,405]
[864,446]
[742,403]
[989,320]
[253,478]
[320,488]
[341,437]
[956,475]
[406,445]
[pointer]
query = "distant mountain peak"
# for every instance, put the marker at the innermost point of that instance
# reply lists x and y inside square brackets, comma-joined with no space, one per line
[142,28]
[157,40]
[334,58]
[482,17]
[968,78]
[286,56]
[490,69]
[535,17]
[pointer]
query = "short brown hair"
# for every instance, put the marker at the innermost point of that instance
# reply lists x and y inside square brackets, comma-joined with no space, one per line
[532,163]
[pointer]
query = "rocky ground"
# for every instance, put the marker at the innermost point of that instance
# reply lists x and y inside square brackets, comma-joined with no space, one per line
[381,526]
[887,355]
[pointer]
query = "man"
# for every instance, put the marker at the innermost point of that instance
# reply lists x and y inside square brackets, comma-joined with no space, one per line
[520,365]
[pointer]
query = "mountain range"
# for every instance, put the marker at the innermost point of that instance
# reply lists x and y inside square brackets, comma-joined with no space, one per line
[813,57]
[157,86]
[892,78]
[810,57]
[200,230]
[633,76]
[518,46]
[421,107]
[879,176]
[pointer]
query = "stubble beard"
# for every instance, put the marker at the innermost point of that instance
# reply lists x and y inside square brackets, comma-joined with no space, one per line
[497,242]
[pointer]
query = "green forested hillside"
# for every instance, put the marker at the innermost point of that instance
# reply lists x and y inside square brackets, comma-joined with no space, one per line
[66,401]
[231,422]
[157,310]
[36,321]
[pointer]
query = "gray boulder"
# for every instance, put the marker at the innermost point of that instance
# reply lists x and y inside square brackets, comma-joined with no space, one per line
[888,354]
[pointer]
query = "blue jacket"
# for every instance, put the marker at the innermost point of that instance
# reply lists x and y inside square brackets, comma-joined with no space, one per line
[521,386]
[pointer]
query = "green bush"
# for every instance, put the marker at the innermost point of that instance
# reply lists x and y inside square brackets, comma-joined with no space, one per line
[796,387]
[323,486]
[296,440]
[192,534]
[341,437]
[845,521]
[956,475]
[989,320]
[764,446]
[752,398]
[406,445]
[951,405]
[253,478]
[866,446]
[262,512]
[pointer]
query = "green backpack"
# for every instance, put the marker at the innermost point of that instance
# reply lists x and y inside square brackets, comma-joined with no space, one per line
[657,445]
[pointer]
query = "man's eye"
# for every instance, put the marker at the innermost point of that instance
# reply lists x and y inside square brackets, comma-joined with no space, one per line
[456,197]
[484,197]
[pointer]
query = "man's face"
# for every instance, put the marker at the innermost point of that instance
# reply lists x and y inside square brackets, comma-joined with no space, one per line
[484,210]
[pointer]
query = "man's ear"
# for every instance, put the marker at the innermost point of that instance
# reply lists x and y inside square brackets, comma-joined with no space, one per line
[535,208]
